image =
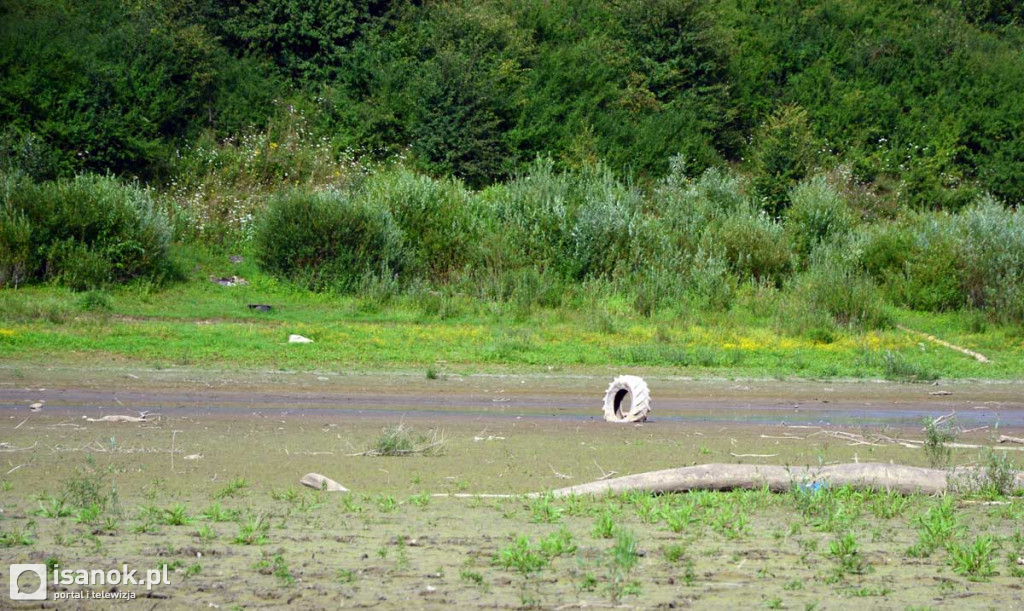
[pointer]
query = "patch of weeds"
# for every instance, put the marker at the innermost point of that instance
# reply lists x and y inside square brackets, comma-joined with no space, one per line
[588,583]
[866,591]
[206,533]
[558,543]
[350,504]
[401,440]
[847,557]
[386,503]
[973,560]
[176,515]
[774,603]
[473,578]
[889,504]
[88,486]
[345,576]
[999,475]
[89,515]
[793,585]
[673,553]
[622,558]
[53,507]
[938,433]
[216,513]
[432,372]
[604,527]
[193,570]
[899,368]
[232,488]
[15,538]
[253,531]
[289,495]
[730,522]
[420,500]
[689,572]
[521,557]
[936,527]
[543,509]
[276,566]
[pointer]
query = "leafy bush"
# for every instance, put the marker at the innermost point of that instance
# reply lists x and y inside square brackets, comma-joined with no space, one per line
[84,232]
[848,295]
[817,212]
[752,244]
[437,218]
[580,224]
[328,240]
[784,153]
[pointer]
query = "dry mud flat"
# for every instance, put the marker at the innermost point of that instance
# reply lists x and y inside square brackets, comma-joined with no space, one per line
[209,486]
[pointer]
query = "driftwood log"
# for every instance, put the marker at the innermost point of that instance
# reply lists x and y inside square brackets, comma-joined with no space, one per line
[877,476]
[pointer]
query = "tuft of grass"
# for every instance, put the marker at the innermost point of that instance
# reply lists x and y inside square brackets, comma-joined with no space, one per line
[521,556]
[559,543]
[936,527]
[622,558]
[973,560]
[401,440]
[847,557]
[177,515]
[232,489]
[253,531]
[604,527]
[938,433]
[899,368]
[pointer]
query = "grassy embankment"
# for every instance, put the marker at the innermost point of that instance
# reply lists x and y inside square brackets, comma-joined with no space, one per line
[201,324]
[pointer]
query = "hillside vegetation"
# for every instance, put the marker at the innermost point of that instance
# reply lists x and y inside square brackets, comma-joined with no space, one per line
[827,167]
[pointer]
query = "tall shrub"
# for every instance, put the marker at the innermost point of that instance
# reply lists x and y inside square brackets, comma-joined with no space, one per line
[84,232]
[328,240]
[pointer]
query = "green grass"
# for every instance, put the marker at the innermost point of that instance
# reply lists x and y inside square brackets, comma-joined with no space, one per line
[201,324]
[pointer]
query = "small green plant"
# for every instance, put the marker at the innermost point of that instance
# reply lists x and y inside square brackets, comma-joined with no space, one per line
[253,531]
[474,578]
[559,543]
[276,566]
[232,489]
[89,515]
[345,576]
[730,522]
[937,434]
[673,553]
[289,495]
[999,475]
[889,504]
[206,533]
[544,510]
[401,440]
[192,570]
[623,557]
[848,558]
[420,500]
[216,513]
[53,507]
[386,503]
[680,516]
[176,515]
[432,373]
[973,560]
[604,527]
[521,556]
[15,538]
[936,527]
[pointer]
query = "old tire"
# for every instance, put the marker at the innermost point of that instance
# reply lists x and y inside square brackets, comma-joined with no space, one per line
[627,400]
